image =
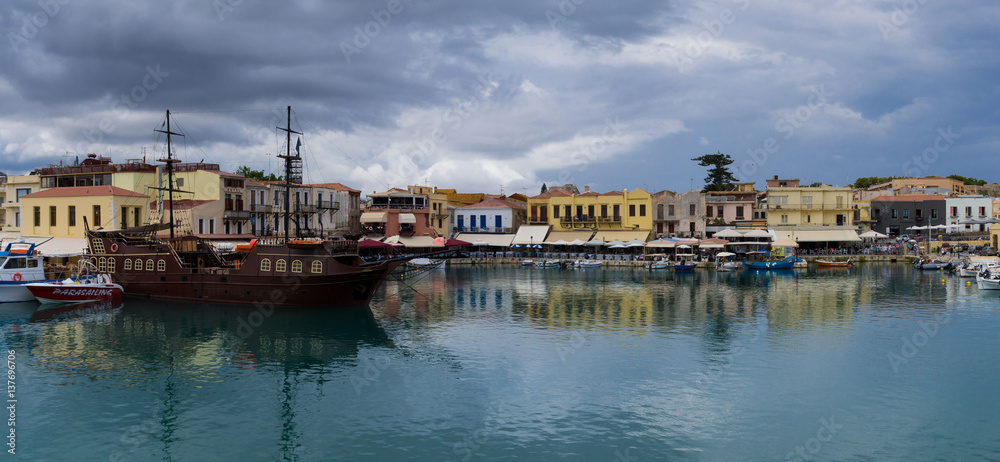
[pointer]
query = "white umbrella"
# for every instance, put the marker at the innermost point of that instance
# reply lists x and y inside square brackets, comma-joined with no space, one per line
[617,246]
[594,243]
[757,232]
[576,242]
[683,246]
[917,228]
[616,242]
[559,242]
[872,235]
[636,243]
[728,232]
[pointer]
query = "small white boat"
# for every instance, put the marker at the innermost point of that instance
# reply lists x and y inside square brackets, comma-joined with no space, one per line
[19,265]
[658,264]
[724,262]
[549,263]
[988,279]
[86,285]
[587,264]
[425,263]
[528,262]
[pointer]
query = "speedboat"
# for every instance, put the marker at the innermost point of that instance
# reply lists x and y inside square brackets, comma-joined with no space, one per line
[79,290]
[587,264]
[928,264]
[549,264]
[658,264]
[988,279]
[20,264]
[684,266]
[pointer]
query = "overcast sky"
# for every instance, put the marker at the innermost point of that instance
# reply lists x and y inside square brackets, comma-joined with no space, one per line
[479,95]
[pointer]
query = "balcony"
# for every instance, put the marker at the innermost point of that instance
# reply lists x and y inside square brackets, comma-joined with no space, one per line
[328,205]
[236,215]
[260,208]
[832,207]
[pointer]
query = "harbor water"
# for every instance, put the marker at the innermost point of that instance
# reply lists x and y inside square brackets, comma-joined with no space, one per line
[873,363]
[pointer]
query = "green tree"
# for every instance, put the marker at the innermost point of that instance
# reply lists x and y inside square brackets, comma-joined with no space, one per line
[968,180]
[544,189]
[816,185]
[719,177]
[257,175]
[869,181]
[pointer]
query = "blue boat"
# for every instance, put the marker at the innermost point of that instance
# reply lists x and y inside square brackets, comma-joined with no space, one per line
[764,261]
[684,267]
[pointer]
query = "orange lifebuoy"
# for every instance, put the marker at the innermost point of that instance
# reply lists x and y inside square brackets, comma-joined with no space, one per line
[114,246]
[16,277]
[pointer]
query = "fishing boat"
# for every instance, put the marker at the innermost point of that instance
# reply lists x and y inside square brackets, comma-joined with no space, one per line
[929,264]
[426,263]
[685,255]
[20,265]
[725,263]
[274,271]
[833,264]
[548,263]
[684,266]
[764,261]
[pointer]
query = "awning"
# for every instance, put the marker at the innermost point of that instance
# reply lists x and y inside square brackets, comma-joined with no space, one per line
[711,246]
[819,235]
[531,234]
[62,247]
[493,240]
[624,236]
[407,219]
[373,217]
[419,241]
[570,236]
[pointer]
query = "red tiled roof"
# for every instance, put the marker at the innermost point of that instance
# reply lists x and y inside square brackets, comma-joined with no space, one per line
[180,205]
[492,204]
[336,186]
[590,193]
[909,198]
[226,174]
[613,193]
[85,191]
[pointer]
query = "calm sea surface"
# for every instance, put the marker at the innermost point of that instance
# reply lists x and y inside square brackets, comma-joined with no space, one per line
[880,362]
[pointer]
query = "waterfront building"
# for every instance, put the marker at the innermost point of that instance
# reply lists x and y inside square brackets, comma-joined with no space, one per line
[338,208]
[397,212]
[679,214]
[437,203]
[16,187]
[730,209]
[950,184]
[812,215]
[893,215]
[593,212]
[59,213]
[490,216]
[968,213]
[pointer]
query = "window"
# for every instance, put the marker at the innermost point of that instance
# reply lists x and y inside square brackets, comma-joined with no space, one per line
[72,215]
[280,265]
[201,226]
[895,214]
[211,226]
[52,215]
[180,182]
[642,210]
[38,216]
[719,212]
[920,213]
[111,264]
[933,213]
[135,216]
[784,218]
[579,211]
[604,211]
[124,217]
[708,212]
[20,192]
[317,266]
[555,211]
[968,211]
[102,265]
[906,213]
[691,209]
[982,211]
[631,210]
[617,211]
[670,209]
[17,219]
[138,264]
[296,266]
[265,264]
[809,218]
[590,211]
[97,216]
[128,264]
[161,265]
[568,211]
[807,202]
[739,212]
[149,264]
[954,211]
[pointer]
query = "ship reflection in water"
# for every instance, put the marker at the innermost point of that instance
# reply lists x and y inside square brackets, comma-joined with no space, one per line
[519,364]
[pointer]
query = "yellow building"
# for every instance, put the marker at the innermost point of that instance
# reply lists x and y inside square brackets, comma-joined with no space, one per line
[17,187]
[810,206]
[59,212]
[438,203]
[591,211]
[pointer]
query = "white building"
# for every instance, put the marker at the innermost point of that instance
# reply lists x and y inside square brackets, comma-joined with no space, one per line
[963,211]
[490,216]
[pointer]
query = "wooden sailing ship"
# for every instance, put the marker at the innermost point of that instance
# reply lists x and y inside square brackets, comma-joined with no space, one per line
[269,272]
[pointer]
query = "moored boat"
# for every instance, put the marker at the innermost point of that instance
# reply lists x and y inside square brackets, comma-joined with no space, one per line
[724,262]
[80,290]
[988,279]
[528,262]
[548,263]
[764,261]
[929,264]
[587,264]
[427,263]
[833,264]
[657,265]
[684,266]
[20,265]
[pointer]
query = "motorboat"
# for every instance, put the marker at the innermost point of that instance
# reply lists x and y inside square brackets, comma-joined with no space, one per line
[658,264]
[929,264]
[684,266]
[548,264]
[833,264]
[587,264]
[425,263]
[20,265]
[988,279]
[86,285]
[765,261]
[724,262]
[528,262]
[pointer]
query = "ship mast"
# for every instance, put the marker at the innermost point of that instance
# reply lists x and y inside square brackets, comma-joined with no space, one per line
[288,166]
[170,161]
